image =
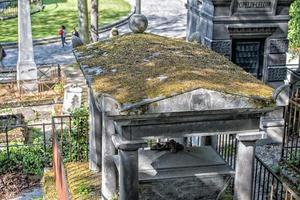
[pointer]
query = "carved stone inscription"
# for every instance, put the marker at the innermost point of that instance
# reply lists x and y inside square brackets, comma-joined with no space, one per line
[248,4]
[254,6]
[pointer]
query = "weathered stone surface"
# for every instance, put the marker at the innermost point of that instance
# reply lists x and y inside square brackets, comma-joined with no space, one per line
[72,98]
[222,24]
[76,41]
[191,188]
[26,67]
[138,23]
[279,45]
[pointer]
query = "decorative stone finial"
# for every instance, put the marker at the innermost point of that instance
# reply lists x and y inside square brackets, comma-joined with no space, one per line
[113,32]
[138,23]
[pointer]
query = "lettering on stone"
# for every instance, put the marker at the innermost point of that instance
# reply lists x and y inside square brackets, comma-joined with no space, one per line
[279,45]
[222,47]
[72,98]
[254,6]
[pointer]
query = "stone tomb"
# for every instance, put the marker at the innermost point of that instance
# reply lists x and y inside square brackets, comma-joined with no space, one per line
[251,33]
[169,92]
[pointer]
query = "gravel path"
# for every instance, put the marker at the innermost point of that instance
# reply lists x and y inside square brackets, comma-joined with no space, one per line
[166,17]
[34,194]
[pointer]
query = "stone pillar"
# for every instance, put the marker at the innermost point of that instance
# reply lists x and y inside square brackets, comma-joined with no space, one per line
[128,179]
[109,172]
[95,136]
[138,7]
[243,185]
[26,67]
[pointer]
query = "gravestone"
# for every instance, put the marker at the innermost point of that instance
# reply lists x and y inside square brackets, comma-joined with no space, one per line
[251,33]
[72,98]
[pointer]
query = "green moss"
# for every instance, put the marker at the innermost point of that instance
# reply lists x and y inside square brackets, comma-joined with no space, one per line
[83,184]
[49,186]
[141,66]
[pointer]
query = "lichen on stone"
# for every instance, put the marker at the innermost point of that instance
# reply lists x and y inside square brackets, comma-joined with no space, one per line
[144,66]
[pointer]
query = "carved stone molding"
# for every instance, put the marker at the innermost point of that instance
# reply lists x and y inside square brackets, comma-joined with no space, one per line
[257,30]
[276,74]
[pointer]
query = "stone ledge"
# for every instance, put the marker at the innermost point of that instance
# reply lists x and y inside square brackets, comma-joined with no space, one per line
[252,136]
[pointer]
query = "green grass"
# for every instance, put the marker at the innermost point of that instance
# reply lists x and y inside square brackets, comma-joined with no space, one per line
[62,12]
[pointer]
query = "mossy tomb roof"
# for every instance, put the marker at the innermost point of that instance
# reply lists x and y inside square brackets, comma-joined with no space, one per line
[145,66]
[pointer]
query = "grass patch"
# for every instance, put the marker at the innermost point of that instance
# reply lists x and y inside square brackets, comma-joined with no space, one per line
[83,184]
[64,12]
[49,186]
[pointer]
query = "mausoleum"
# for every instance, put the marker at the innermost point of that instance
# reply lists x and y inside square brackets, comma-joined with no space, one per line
[146,89]
[251,33]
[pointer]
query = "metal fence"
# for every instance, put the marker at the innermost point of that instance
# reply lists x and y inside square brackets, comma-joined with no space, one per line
[18,136]
[291,139]
[49,85]
[226,146]
[72,137]
[9,8]
[58,166]
[269,186]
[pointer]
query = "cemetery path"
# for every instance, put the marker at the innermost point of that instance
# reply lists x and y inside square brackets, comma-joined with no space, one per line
[166,17]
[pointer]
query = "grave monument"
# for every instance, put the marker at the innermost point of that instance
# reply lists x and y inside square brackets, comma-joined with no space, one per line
[26,67]
[164,93]
[251,33]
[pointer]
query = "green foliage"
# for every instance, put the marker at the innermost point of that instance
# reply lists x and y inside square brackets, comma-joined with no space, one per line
[75,141]
[62,12]
[294,24]
[28,158]
[276,169]
[83,189]
[59,88]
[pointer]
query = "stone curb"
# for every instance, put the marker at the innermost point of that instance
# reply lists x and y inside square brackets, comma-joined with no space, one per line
[49,40]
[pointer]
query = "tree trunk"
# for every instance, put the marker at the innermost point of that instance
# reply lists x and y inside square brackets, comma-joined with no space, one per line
[83,21]
[94,20]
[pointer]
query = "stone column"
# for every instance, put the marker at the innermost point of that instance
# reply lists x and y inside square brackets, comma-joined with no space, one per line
[26,67]
[138,6]
[244,164]
[128,170]
[95,135]
[129,175]
[109,106]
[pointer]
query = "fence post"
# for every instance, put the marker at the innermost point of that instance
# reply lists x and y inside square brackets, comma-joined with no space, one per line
[243,185]
[7,142]
[45,147]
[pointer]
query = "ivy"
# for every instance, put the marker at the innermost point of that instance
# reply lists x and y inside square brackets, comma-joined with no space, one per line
[294,24]
[75,142]
[27,158]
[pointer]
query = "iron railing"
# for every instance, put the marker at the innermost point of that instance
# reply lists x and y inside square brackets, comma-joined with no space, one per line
[58,166]
[291,138]
[227,148]
[49,85]
[9,8]
[267,185]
